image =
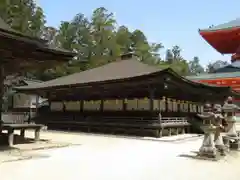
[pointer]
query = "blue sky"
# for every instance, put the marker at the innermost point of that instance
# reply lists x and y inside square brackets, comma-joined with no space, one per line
[171,22]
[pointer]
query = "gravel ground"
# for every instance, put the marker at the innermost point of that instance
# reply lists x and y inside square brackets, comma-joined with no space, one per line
[100,157]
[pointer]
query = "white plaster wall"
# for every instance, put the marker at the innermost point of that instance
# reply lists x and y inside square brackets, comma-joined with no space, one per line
[156,105]
[91,105]
[56,106]
[143,104]
[109,105]
[21,100]
[72,105]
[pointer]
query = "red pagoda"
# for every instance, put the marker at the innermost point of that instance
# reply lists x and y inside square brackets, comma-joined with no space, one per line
[225,38]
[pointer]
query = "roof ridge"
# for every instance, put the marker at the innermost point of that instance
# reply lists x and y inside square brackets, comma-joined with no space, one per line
[108,64]
[112,71]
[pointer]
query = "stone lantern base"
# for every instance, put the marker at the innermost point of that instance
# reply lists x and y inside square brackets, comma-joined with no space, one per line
[208,152]
[222,149]
[208,148]
[219,143]
[232,142]
[235,145]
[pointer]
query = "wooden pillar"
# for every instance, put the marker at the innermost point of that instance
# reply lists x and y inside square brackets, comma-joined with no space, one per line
[64,107]
[183,130]
[37,134]
[22,133]
[151,98]
[161,132]
[49,100]
[10,137]
[170,131]
[37,104]
[2,75]
[178,107]
[189,106]
[102,105]
[177,131]
[81,105]
[30,115]
[124,105]
[166,105]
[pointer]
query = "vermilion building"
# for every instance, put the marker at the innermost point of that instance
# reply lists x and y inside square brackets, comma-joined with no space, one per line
[225,38]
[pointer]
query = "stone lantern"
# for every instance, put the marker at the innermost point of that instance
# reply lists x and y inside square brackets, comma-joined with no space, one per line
[218,122]
[208,148]
[230,109]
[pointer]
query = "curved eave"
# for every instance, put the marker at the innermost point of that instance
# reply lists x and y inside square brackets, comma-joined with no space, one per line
[199,84]
[168,71]
[227,90]
[226,29]
[18,35]
[57,52]
[40,44]
[225,41]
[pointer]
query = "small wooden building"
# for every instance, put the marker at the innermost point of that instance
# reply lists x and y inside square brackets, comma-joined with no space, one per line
[19,53]
[22,102]
[126,96]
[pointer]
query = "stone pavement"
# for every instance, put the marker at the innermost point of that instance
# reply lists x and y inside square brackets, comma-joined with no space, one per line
[28,150]
[120,158]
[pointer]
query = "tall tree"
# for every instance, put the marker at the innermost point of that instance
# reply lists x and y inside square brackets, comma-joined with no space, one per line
[103,25]
[176,51]
[96,40]
[24,16]
[195,66]
[169,56]
[49,34]
[37,22]
[175,61]
[123,39]
[148,52]
[181,67]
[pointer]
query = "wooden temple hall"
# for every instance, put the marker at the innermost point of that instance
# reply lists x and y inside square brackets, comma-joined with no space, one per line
[125,96]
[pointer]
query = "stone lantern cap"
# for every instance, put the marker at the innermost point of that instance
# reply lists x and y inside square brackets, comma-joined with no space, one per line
[229,100]
[230,107]
[206,115]
[217,108]
[207,107]
[219,116]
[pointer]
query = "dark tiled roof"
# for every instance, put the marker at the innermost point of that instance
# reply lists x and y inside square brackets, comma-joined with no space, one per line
[5,28]
[31,81]
[11,79]
[113,71]
[118,71]
[7,31]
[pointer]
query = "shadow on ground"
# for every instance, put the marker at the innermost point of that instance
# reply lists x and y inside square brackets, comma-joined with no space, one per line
[27,148]
[195,155]
[29,144]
